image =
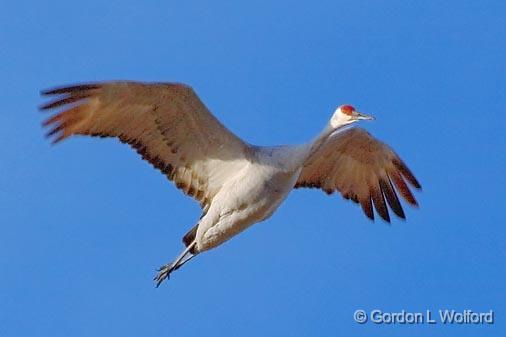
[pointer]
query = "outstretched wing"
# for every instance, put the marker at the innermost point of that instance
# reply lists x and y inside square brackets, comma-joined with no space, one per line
[363,169]
[166,123]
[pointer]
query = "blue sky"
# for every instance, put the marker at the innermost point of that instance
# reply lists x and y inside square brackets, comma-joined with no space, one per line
[85,224]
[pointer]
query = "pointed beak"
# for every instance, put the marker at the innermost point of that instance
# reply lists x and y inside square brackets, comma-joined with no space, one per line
[359,116]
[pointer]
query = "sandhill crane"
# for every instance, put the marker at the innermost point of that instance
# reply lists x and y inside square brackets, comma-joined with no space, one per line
[236,184]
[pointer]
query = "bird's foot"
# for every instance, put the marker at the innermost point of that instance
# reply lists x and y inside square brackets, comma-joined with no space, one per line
[164,273]
[165,270]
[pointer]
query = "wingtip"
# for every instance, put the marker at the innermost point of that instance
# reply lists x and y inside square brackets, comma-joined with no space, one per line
[70,88]
[406,173]
[56,133]
[386,218]
[414,182]
[370,217]
[45,92]
[399,214]
[45,106]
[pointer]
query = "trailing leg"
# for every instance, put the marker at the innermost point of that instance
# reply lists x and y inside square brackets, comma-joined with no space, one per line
[185,256]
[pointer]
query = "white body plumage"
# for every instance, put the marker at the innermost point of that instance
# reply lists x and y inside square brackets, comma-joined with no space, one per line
[252,193]
[236,184]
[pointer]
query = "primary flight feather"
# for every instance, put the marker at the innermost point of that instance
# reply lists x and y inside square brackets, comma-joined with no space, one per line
[236,184]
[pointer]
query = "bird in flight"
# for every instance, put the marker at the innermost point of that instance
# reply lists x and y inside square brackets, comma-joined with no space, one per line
[237,184]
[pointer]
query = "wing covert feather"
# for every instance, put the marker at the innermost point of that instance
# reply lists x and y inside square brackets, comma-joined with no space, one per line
[362,169]
[166,123]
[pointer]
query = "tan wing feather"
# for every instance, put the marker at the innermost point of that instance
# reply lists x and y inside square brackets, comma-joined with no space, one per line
[166,123]
[362,169]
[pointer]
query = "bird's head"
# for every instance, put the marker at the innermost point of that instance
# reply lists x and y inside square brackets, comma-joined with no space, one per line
[346,114]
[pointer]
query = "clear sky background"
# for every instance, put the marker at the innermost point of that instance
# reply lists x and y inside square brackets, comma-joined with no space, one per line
[83,225]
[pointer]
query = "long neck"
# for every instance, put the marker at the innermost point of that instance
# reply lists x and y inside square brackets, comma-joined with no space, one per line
[292,157]
[320,140]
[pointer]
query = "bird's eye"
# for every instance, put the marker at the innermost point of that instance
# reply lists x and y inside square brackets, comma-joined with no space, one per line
[347,109]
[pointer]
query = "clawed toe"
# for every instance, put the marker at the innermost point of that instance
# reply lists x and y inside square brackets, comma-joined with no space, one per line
[163,273]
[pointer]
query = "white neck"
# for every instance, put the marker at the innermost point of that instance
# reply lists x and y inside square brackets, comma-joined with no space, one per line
[293,157]
[330,130]
[339,120]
